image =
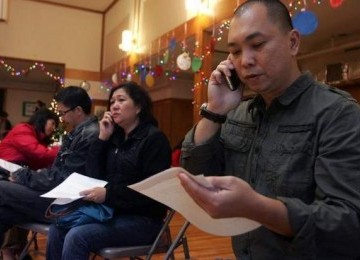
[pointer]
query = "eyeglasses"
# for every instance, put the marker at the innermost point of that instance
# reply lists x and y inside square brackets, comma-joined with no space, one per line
[63,113]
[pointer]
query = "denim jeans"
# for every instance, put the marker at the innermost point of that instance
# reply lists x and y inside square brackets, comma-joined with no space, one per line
[19,204]
[79,242]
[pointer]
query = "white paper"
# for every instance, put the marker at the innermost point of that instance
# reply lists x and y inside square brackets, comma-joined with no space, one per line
[165,187]
[70,188]
[11,167]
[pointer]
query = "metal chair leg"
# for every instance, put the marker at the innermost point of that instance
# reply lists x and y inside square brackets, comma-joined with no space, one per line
[26,248]
[178,240]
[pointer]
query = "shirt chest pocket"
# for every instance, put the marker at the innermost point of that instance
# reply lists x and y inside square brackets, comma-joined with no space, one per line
[294,139]
[238,136]
[291,160]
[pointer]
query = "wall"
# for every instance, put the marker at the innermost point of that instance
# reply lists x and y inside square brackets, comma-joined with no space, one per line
[39,31]
[174,117]
[15,99]
[53,33]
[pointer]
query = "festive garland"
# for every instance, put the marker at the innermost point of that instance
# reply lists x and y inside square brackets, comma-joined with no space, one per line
[24,72]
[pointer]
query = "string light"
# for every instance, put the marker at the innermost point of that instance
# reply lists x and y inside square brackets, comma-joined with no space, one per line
[24,72]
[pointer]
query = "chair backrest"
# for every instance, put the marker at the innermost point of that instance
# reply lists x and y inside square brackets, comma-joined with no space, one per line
[161,244]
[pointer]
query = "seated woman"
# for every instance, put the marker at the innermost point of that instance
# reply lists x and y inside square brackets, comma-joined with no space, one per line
[130,148]
[27,144]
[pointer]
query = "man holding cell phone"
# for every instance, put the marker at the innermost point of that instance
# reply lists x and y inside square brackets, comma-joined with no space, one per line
[290,155]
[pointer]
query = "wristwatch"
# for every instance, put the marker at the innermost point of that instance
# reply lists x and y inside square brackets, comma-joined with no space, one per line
[216,118]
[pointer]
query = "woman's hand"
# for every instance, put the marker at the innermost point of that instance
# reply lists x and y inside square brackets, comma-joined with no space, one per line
[96,195]
[106,126]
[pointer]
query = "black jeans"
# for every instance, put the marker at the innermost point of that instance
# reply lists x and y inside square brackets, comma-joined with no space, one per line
[19,204]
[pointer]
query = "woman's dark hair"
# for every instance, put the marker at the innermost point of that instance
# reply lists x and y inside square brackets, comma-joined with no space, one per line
[73,96]
[140,97]
[40,117]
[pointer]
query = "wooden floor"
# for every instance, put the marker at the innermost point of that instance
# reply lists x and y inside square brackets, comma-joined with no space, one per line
[202,246]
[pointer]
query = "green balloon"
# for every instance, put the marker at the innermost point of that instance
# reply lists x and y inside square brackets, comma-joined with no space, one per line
[196,64]
[166,56]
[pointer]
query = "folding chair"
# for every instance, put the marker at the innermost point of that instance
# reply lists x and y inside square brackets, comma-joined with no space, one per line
[161,244]
[35,228]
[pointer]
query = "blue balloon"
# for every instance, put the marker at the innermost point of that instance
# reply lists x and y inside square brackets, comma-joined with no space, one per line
[305,22]
[172,44]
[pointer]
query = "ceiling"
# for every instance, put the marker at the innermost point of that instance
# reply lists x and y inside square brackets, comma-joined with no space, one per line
[336,26]
[88,5]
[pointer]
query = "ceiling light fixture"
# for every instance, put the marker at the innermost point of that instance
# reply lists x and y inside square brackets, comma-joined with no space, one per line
[127,41]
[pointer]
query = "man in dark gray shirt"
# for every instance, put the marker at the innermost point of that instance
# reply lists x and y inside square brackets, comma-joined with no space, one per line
[293,151]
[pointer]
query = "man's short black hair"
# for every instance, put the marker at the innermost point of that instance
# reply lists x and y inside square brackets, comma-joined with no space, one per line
[73,97]
[276,11]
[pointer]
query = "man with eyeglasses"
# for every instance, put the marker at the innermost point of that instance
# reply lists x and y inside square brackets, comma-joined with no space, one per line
[20,200]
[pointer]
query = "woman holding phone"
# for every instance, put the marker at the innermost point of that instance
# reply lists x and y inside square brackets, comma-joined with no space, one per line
[130,148]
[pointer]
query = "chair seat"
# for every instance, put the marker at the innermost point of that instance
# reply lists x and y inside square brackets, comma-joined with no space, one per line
[41,228]
[134,251]
[130,251]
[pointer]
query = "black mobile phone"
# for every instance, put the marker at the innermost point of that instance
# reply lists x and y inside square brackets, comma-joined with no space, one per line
[233,82]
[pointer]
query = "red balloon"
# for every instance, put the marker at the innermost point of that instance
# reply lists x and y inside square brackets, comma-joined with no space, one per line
[212,43]
[336,3]
[158,70]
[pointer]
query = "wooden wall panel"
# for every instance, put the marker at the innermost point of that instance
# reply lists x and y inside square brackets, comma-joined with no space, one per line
[354,90]
[175,117]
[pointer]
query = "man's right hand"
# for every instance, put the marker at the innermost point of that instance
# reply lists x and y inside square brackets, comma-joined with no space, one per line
[220,98]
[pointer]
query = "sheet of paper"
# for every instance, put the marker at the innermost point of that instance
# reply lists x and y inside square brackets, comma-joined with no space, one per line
[165,187]
[70,188]
[11,167]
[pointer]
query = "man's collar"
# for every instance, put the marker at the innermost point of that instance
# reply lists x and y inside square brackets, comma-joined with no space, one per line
[293,92]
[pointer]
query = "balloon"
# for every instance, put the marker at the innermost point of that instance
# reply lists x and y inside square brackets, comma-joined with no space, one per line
[212,43]
[196,64]
[158,70]
[149,80]
[305,22]
[166,56]
[183,61]
[85,85]
[114,78]
[143,74]
[172,44]
[336,3]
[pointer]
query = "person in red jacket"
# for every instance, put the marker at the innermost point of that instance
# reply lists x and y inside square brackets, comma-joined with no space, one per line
[175,154]
[27,144]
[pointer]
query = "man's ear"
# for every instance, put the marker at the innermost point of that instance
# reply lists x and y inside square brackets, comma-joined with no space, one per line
[294,40]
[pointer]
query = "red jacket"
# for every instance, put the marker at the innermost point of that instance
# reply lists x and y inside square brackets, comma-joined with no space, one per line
[175,158]
[23,145]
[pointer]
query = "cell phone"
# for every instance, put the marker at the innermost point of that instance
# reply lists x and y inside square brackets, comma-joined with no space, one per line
[233,82]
